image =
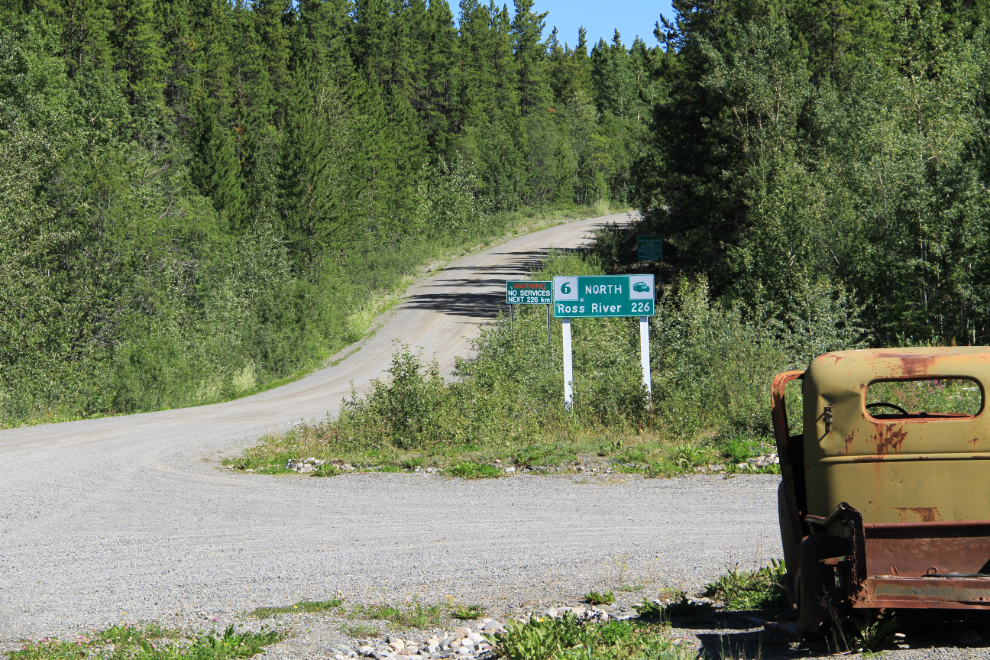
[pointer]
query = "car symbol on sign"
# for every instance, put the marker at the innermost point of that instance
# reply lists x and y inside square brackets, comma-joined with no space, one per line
[641,286]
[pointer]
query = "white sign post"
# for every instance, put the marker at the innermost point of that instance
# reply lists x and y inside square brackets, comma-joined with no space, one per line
[604,296]
[644,350]
[565,331]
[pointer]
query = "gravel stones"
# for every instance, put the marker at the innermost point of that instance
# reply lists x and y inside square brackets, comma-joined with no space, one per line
[467,641]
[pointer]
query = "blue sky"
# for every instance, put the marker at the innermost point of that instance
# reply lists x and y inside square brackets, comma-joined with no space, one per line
[631,17]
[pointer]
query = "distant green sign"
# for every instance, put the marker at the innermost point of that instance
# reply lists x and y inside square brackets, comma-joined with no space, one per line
[603,296]
[650,248]
[528,293]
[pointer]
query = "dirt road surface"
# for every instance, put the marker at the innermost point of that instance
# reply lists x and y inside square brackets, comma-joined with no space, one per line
[129,517]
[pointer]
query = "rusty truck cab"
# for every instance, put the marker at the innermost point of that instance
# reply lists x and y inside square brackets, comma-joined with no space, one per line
[882,506]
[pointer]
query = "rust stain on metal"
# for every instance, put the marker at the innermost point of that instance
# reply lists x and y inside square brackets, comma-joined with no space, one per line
[911,365]
[889,438]
[832,356]
[849,440]
[918,513]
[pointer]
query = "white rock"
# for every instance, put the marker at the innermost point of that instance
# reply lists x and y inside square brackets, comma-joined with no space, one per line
[462,651]
[476,638]
[552,613]
[509,470]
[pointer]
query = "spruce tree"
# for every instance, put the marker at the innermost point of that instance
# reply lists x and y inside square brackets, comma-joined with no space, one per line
[582,63]
[530,51]
[137,53]
[86,27]
[215,169]
[303,198]
[438,95]
[373,167]
[611,75]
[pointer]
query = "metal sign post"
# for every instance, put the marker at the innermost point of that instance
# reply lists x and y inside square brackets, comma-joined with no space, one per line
[528,292]
[604,296]
[644,353]
[565,332]
[548,326]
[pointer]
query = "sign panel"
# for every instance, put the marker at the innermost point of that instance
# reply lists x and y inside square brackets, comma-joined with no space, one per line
[601,296]
[650,248]
[528,293]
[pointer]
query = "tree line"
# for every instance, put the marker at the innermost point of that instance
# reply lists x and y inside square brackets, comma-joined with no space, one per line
[200,196]
[827,163]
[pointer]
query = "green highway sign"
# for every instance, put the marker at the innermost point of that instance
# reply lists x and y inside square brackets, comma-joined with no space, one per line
[650,248]
[603,296]
[528,293]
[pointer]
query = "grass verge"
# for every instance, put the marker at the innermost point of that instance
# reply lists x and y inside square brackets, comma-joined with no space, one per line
[571,639]
[332,605]
[582,453]
[502,410]
[150,642]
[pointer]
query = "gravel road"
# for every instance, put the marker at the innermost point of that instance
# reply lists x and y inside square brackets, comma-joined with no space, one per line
[129,517]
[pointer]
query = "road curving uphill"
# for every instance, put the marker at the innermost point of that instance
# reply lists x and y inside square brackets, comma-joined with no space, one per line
[129,517]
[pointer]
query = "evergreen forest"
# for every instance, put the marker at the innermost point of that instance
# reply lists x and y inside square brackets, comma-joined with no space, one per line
[824,166]
[199,198]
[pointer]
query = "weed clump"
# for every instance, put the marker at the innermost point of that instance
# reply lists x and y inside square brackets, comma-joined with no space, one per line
[331,605]
[595,598]
[750,590]
[557,639]
[469,613]
[418,616]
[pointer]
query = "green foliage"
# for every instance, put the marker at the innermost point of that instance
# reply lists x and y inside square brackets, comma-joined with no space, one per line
[469,470]
[822,161]
[151,642]
[595,598]
[866,634]
[358,630]
[303,606]
[418,616]
[739,450]
[712,368]
[468,613]
[872,635]
[197,202]
[327,470]
[750,590]
[570,639]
